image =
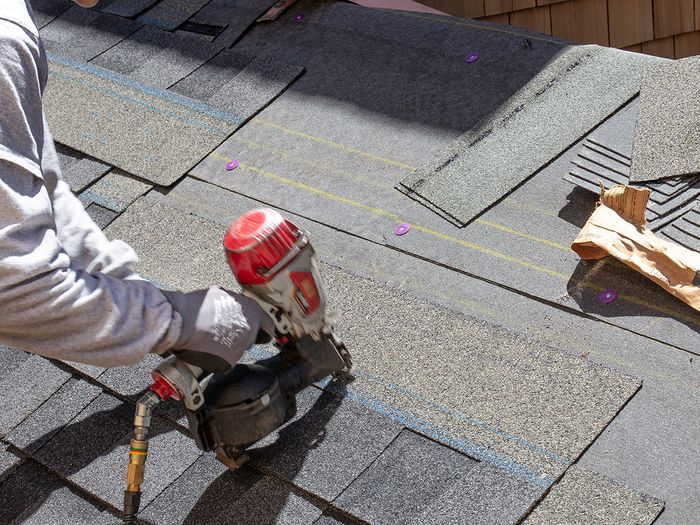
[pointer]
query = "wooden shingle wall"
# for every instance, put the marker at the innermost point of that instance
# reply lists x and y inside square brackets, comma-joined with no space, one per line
[668,28]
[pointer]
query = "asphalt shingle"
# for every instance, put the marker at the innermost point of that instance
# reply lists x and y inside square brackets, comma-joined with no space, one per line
[407,477]
[586,498]
[83,172]
[8,462]
[11,358]
[101,216]
[491,381]
[208,494]
[25,388]
[157,58]
[52,415]
[115,191]
[92,451]
[666,140]
[129,8]
[63,506]
[82,34]
[558,106]
[483,496]
[27,486]
[327,445]
[47,10]
[169,14]
[238,83]
[131,380]
[154,134]
[236,15]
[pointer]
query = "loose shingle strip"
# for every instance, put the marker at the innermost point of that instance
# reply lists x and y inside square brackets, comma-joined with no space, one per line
[584,498]
[667,137]
[565,100]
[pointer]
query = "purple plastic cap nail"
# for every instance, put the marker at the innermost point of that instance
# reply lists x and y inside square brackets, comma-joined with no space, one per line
[402,229]
[471,57]
[231,165]
[607,296]
[299,17]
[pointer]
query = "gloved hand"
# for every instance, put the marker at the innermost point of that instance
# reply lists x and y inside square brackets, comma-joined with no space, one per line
[217,327]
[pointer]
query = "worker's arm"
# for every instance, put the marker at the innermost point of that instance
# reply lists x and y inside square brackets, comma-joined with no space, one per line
[52,305]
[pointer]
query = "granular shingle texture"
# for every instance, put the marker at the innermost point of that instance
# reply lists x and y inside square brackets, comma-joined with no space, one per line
[107,425]
[82,34]
[667,137]
[670,198]
[128,8]
[65,506]
[47,10]
[157,58]
[83,172]
[101,216]
[310,450]
[115,191]
[209,494]
[586,498]
[483,496]
[169,14]
[25,388]
[558,106]
[8,462]
[150,133]
[407,477]
[686,229]
[236,15]
[497,395]
[52,415]
[26,487]
[153,134]
[239,84]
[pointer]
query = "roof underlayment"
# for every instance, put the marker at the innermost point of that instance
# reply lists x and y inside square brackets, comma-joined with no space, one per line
[492,384]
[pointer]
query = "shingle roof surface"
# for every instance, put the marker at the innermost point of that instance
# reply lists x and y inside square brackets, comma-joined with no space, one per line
[486,367]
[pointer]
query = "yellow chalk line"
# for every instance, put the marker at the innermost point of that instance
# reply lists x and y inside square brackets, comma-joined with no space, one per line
[473,246]
[326,142]
[298,158]
[483,222]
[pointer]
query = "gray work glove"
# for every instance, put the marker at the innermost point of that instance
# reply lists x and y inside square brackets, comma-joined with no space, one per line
[217,327]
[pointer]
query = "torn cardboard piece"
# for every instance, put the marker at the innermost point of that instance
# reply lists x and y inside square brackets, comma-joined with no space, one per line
[617,228]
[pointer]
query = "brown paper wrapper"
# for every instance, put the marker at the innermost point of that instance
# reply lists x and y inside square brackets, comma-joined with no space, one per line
[617,228]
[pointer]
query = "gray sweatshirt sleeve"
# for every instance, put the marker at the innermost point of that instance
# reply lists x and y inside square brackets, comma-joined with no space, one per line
[50,303]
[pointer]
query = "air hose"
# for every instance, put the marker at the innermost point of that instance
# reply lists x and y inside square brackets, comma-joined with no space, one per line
[138,452]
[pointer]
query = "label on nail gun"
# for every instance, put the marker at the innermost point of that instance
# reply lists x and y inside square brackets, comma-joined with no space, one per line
[305,292]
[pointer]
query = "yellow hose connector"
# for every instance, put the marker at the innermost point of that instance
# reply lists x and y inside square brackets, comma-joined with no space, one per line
[137,464]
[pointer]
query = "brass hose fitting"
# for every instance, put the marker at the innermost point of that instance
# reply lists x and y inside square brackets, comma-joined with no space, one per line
[138,452]
[137,465]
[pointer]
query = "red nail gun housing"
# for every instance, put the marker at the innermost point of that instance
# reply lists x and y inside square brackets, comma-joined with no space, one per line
[272,260]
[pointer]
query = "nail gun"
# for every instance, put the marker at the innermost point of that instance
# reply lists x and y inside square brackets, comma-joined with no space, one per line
[273,261]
